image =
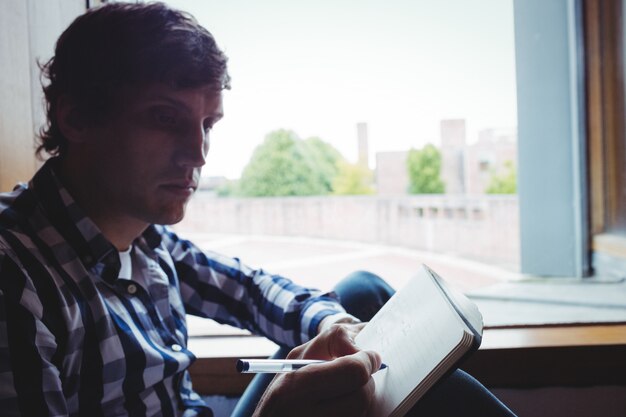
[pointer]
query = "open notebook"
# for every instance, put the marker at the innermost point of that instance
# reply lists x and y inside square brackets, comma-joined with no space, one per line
[422,332]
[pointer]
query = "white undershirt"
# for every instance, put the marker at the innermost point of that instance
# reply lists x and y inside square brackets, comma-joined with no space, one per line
[126,264]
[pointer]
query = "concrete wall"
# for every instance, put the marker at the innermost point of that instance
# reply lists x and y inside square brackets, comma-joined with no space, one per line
[483,227]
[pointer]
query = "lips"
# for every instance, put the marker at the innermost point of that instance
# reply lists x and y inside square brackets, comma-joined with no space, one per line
[181,188]
[185,184]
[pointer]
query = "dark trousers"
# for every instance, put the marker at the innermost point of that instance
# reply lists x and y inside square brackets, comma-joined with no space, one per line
[362,294]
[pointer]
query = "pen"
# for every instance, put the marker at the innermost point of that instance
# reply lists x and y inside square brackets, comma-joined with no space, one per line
[276,366]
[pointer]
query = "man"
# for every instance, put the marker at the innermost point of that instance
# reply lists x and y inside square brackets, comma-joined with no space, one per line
[94,289]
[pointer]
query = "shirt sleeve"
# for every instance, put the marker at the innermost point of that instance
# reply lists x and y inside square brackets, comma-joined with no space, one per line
[29,382]
[228,291]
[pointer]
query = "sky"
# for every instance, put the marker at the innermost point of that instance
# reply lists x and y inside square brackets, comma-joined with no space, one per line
[320,67]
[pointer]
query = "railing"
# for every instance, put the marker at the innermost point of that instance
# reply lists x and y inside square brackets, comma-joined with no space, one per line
[482,227]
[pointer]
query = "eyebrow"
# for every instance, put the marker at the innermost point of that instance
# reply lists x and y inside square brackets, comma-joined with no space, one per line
[177,103]
[173,101]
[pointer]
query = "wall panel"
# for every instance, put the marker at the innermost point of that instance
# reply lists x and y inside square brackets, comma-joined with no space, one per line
[28,31]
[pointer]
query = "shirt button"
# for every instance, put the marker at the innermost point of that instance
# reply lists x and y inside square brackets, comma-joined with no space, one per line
[132,288]
[177,347]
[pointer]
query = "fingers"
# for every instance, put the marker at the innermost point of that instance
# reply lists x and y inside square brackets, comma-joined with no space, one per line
[335,342]
[354,329]
[341,341]
[339,377]
[341,387]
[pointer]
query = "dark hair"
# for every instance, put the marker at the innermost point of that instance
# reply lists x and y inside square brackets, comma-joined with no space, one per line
[119,45]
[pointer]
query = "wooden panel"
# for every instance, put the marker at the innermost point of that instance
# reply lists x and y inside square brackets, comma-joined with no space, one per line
[543,367]
[551,356]
[605,114]
[595,125]
[217,376]
[16,136]
[47,20]
[28,31]
[214,371]
[612,245]
[550,336]
[613,111]
[606,132]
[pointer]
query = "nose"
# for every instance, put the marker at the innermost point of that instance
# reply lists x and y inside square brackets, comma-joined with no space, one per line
[193,150]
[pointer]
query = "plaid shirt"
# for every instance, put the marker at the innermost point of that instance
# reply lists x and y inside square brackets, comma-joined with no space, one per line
[77,339]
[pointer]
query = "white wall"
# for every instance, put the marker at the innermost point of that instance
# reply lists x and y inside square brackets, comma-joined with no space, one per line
[28,31]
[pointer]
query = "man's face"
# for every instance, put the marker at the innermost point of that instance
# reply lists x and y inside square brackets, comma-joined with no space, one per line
[146,160]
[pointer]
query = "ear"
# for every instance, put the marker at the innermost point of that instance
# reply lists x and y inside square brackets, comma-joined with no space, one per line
[71,122]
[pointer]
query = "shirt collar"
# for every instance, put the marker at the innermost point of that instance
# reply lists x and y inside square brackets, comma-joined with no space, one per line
[79,231]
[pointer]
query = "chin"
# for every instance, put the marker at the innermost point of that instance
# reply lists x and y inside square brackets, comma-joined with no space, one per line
[174,218]
[168,216]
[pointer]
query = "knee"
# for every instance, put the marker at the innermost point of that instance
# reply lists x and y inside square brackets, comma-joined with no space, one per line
[363,293]
[365,281]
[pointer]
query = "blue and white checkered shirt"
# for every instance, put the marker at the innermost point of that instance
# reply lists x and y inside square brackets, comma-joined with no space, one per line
[76,339]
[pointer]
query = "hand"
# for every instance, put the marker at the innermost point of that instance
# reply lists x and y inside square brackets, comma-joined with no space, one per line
[342,387]
[336,342]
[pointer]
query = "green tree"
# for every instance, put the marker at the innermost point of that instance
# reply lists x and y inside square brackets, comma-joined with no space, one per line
[228,189]
[504,182]
[353,179]
[424,167]
[325,160]
[285,165]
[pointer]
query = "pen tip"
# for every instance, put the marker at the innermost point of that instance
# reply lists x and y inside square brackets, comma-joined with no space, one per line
[382,366]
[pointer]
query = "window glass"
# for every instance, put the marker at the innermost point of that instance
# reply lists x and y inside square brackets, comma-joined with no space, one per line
[363,135]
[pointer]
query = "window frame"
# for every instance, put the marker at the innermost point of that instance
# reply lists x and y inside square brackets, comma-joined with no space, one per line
[552,170]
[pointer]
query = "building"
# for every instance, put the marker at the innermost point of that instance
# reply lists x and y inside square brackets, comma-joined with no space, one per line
[453,155]
[494,149]
[363,144]
[392,176]
[465,168]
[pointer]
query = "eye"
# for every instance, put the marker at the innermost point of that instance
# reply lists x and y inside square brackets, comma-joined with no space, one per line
[165,117]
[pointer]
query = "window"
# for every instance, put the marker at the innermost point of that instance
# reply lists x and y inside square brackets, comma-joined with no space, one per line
[374,81]
[461,231]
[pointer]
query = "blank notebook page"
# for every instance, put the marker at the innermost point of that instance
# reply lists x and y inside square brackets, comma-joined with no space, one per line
[413,332]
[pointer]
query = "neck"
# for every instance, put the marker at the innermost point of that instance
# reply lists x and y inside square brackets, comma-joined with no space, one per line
[119,229]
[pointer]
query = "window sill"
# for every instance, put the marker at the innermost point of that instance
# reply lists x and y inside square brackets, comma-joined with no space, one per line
[610,244]
[580,355]
[531,357]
